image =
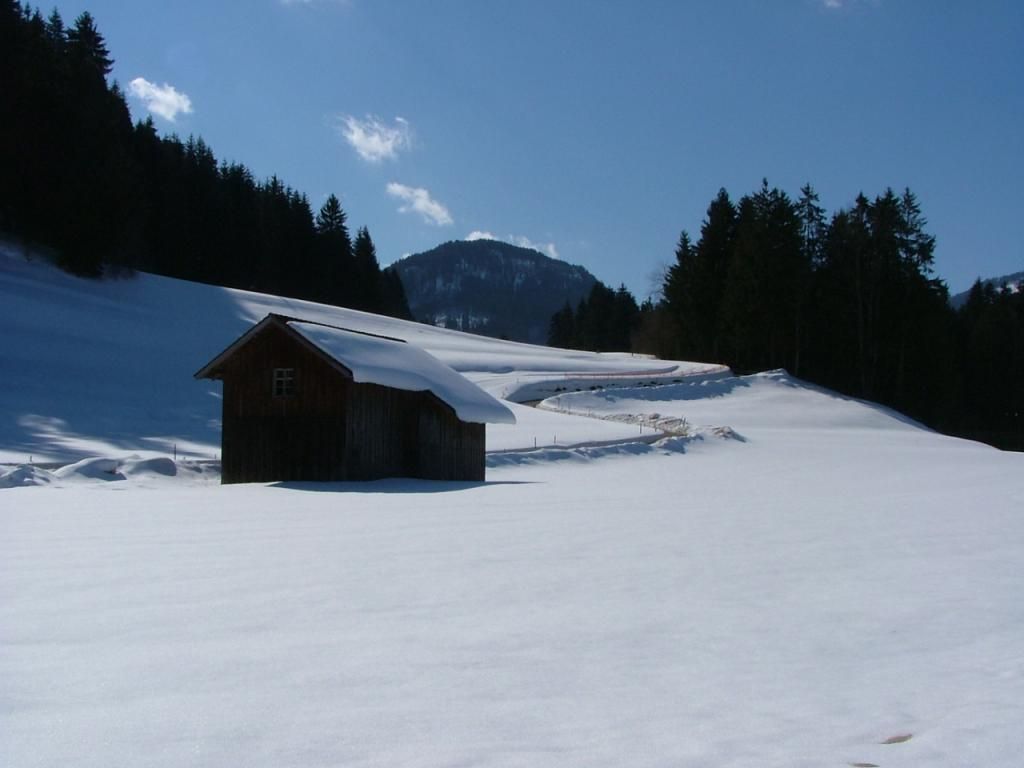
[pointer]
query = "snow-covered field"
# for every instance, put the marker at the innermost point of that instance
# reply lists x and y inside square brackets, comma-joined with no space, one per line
[791,579]
[105,368]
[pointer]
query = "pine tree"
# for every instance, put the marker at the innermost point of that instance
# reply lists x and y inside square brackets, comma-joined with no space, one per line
[624,321]
[56,32]
[331,219]
[334,253]
[714,255]
[367,273]
[766,285]
[87,46]
[562,331]
[680,302]
[95,171]
[917,246]
[394,301]
[812,224]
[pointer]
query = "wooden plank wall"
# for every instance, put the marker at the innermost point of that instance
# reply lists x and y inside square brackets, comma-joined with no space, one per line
[333,428]
[281,438]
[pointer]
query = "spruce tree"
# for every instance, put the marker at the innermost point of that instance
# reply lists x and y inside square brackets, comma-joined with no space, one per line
[56,31]
[334,253]
[713,255]
[561,331]
[679,299]
[366,273]
[331,218]
[87,46]
[812,224]
[625,320]
[394,301]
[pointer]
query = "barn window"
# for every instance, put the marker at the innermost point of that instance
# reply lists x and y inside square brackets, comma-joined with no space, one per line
[284,382]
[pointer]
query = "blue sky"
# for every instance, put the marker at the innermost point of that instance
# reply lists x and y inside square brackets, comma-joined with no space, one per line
[596,131]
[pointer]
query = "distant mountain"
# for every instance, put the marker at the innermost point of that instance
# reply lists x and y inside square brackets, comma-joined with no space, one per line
[1014,281]
[491,288]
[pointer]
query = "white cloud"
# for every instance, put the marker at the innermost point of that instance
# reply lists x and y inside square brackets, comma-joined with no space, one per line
[163,100]
[373,139]
[833,4]
[523,242]
[419,200]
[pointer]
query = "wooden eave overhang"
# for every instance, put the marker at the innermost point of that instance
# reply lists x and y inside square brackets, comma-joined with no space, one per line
[214,368]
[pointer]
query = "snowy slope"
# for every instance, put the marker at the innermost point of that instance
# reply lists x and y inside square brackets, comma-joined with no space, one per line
[794,579]
[105,368]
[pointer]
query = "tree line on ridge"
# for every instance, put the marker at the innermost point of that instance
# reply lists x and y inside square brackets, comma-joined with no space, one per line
[848,301]
[109,196]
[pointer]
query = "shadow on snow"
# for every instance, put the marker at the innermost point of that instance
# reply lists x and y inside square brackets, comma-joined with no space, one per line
[392,485]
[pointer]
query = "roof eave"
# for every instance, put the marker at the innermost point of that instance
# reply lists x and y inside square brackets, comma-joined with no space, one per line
[210,370]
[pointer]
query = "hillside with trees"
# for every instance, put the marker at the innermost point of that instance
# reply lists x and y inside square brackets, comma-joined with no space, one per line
[1012,283]
[849,301]
[603,321]
[491,288]
[109,196]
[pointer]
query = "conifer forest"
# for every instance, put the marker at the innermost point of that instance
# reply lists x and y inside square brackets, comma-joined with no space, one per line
[109,196]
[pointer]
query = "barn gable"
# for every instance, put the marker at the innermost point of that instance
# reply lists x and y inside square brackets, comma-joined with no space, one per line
[306,401]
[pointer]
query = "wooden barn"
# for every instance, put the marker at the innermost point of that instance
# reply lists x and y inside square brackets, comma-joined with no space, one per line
[308,401]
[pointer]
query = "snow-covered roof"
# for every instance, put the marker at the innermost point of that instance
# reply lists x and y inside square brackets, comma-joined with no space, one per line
[389,362]
[397,364]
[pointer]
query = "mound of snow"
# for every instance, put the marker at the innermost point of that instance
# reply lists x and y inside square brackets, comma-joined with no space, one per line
[24,475]
[137,470]
[90,469]
[161,466]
